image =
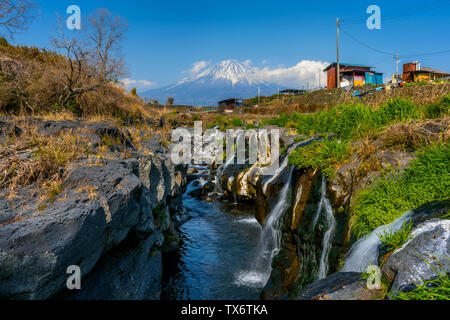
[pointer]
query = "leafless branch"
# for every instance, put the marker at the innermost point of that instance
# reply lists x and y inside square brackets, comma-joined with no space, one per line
[93,54]
[16,15]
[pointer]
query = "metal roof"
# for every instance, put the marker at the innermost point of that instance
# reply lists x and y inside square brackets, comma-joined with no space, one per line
[293,90]
[346,64]
[231,100]
[432,70]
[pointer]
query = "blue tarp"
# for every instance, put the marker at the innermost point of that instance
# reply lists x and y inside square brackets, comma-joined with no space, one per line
[359,94]
[374,78]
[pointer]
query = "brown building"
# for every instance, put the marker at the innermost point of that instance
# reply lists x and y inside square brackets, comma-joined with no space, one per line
[352,75]
[412,72]
[229,105]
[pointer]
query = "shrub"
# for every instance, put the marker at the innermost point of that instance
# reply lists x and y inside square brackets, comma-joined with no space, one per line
[40,86]
[236,122]
[398,110]
[325,155]
[439,109]
[3,42]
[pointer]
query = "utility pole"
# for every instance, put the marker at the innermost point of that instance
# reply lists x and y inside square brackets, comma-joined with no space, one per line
[259,96]
[338,68]
[396,67]
[319,78]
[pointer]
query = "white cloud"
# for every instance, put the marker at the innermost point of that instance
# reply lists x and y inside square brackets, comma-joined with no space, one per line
[247,62]
[198,66]
[129,83]
[303,73]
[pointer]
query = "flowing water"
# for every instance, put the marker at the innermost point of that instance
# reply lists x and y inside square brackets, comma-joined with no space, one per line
[225,255]
[325,205]
[270,240]
[364,252]
[285,162]
[215,246]
[220,170]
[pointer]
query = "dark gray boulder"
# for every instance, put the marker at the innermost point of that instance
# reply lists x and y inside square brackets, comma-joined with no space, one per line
[129,272]
[418,259]
[340,286]
[100,205]
[9,128]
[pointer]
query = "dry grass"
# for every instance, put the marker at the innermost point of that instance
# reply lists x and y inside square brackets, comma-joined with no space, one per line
[90,190]
[36,159]
[410,136]
[367,153]
[51,190]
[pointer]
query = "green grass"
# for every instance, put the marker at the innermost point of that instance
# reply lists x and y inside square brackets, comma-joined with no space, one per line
[225,123]
[446,216]
[354,121]
[439,109]
[427,179]
[395,240]
[159,216]
[348,122]
[325,155]
[416,84]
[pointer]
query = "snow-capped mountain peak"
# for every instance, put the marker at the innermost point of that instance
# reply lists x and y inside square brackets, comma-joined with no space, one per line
[230,70]
[229,78]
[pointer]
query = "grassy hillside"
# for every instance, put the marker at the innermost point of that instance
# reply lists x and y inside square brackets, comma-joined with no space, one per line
[318,100]
[363,131]
[32,82]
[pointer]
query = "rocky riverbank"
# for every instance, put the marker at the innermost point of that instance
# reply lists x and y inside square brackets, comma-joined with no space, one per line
[111,210]
[107,198]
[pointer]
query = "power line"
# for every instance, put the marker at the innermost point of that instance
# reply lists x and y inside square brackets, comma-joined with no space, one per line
[436,53]
[366,45]
[361,20]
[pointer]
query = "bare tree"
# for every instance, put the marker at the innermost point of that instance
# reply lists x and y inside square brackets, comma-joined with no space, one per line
[93,54]
[169,101]
[106,34]
[16,15]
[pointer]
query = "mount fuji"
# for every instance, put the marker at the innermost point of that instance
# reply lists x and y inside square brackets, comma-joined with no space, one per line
[227,79]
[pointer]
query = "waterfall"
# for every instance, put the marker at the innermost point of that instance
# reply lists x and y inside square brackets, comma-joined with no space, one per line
[325,205]
[364,252]
[270,241]
[220,170]
[285,163]
[283,166]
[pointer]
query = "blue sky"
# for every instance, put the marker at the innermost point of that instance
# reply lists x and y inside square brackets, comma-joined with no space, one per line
[166,38]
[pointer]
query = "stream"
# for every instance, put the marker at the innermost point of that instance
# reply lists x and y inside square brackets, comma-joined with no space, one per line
[217,246]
